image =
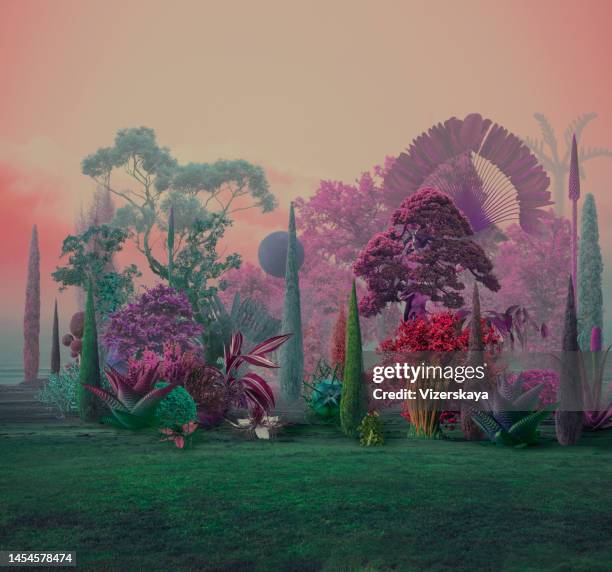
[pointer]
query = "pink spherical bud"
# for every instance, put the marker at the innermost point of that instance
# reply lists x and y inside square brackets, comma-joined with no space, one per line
[76,346]
[67,339]
[77,323]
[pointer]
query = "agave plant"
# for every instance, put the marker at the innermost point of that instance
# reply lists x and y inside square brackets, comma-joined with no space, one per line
[324,392]
[511,418]
[135,396]
[490,174]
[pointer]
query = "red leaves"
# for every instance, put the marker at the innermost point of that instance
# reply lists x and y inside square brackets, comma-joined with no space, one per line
[442,332]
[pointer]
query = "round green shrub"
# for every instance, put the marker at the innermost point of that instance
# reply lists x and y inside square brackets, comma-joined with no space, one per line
[177,408]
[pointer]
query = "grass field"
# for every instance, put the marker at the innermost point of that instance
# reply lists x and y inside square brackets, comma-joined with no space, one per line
[311,500]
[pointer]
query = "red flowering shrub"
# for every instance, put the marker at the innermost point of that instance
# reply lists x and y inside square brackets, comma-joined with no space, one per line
[442,332]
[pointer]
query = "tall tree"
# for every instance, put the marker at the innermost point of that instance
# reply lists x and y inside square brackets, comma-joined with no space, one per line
[55,343]
[87,265]
[556,161]
[338,346]
[89,371]
[426,247]
[533,272]
[590,295]
[202,198]
[574,195]
[292,352]
[353,398]
[31,318]
[568,418]
[475,358]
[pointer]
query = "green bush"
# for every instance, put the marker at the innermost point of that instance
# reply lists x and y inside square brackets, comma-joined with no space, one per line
[61,391]
[177,408]
[371,430]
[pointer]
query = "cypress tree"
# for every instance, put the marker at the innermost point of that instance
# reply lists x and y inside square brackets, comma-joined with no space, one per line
[590,296]
[170,246]
[31,315]
[568,419]
[89,372]
[475,358]
[292,351]
[353,399]
[574,195]
[338,345]
[55,343]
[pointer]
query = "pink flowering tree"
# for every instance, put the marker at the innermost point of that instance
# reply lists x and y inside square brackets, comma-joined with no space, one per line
[424,252]
[533,270]
[159,315]
[339,219]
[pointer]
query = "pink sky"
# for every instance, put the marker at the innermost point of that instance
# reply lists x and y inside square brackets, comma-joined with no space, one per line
[309,91]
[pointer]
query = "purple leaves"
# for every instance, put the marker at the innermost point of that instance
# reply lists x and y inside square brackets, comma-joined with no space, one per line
[158,314]
[489,172]
[249,390]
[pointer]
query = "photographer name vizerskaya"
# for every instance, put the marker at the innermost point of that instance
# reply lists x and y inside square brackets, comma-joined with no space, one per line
[428,393]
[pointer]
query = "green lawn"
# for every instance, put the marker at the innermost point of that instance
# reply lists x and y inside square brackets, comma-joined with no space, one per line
[312,500]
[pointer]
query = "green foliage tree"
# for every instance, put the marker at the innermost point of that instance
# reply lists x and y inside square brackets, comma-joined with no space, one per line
[590,270]
[201,197]
[90,255]
[89,372]
[568,419]
[292,352]
[353,399]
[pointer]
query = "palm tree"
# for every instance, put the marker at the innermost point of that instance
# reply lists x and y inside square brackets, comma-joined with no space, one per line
[557,161]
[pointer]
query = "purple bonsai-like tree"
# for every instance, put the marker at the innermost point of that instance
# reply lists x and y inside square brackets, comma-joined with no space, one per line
[160,314]
[490,173]
[422,254]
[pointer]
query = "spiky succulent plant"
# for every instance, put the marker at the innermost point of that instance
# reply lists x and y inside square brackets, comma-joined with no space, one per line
[135,398]
[511,417]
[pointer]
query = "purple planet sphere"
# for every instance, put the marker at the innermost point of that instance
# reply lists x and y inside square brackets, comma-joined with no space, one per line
[273,253]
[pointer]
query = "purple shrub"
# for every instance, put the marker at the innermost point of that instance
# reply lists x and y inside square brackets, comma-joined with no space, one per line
[158,315]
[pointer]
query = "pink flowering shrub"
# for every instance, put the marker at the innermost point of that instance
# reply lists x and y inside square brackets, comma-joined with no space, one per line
[532,377]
